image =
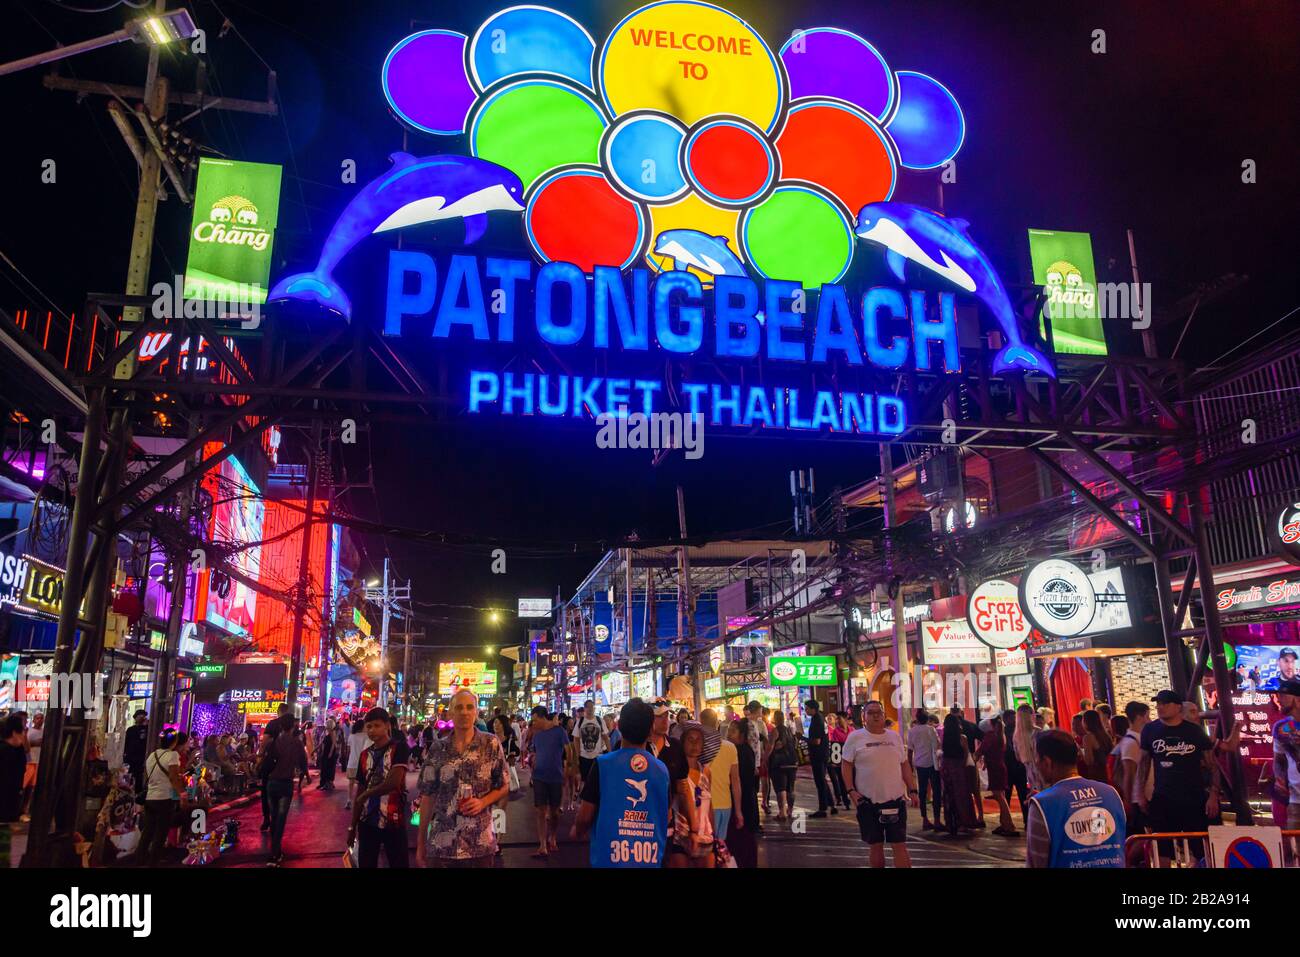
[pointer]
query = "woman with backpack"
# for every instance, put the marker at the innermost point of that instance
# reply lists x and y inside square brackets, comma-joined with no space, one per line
[782,761]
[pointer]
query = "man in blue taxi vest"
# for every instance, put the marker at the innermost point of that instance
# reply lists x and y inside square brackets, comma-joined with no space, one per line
[627,798]
[1073,822]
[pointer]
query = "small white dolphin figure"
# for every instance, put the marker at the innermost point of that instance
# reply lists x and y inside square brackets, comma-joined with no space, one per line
[640,788]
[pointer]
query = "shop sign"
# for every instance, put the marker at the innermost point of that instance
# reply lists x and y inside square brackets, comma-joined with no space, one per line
[190,645]
[207,668]
[616,686]
[1058,598]
[13,574]
[473,676]
[811,671]
[739,681]
[43,590]
[643,684]
[359,620]
[952,643]
[1063,646]
[995,616]
[535,608]
[1011,661]
[712,688]
[717,655]
[1271,592]
[139,685]
[1286,533]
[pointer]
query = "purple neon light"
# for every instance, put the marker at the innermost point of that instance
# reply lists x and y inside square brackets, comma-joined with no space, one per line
[828,62]
[425,82]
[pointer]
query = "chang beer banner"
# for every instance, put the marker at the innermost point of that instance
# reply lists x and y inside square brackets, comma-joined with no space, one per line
[236,206]
[1063,265]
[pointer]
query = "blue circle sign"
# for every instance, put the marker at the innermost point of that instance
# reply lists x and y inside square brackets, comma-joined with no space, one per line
[1247,852]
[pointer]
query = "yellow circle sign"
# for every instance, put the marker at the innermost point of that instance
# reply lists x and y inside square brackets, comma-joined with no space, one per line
[691,60]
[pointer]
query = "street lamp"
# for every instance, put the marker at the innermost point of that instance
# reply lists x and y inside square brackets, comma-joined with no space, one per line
[157,30]
[494,616]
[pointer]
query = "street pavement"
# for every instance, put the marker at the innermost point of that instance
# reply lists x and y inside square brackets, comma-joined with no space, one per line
[317,827]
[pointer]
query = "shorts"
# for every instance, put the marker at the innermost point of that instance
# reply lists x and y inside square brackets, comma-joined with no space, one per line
[782,779]
[547,793]
[875,832]
[585,765]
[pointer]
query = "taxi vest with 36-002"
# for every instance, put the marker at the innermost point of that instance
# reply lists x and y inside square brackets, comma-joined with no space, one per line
[632,823]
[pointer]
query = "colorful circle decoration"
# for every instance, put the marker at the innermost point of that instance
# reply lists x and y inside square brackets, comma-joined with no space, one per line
[817,137]
[532,126]
[424,81]
[836,64]
[729,162]
[928,125]
[692,60]
[530,39]
[798,233]
[641,152]
[576,216]
[685,120]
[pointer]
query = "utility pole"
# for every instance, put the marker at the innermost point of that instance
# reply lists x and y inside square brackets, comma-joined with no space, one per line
[901,670]
[386,598]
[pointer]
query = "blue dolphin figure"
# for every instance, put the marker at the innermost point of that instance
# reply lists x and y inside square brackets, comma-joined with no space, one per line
[942,246]
[416,190]
[690,247]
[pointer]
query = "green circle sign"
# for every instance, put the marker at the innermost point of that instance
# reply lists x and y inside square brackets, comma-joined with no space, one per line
[798,233]
[534,126]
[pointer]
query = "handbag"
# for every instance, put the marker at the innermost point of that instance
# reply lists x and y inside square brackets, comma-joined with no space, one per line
[514,779]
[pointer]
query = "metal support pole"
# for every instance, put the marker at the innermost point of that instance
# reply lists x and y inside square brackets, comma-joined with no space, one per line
[304,573]
[383,642]
[1214,635]
[48,778]
[1170,625]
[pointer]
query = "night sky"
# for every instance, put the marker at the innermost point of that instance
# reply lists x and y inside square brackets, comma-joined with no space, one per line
[1149,136]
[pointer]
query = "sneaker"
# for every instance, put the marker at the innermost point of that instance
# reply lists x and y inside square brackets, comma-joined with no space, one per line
[818,814]
[926,825]
[834,809]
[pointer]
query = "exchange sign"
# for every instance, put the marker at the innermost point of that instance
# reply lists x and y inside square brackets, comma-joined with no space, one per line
[801,672]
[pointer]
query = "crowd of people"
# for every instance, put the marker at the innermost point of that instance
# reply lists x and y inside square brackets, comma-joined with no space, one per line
[654,785]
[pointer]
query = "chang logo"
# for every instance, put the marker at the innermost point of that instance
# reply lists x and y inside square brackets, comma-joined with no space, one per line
[233,220]
[1066,289]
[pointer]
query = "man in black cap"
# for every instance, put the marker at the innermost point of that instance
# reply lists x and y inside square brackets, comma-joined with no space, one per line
[1286,751]
[1186,791]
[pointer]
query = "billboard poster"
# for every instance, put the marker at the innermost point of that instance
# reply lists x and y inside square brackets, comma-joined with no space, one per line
[1261,667]
[1063,265]
[236,205]
[237,515]
[472,676]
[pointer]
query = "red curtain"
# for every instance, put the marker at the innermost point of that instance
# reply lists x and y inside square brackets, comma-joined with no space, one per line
[1070,685]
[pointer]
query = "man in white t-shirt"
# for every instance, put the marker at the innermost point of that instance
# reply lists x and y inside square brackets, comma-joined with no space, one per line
[881,783]
[593,740]
[1132,789]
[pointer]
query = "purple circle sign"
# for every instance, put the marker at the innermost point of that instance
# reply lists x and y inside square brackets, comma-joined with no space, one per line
[424,81]
[828,62]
